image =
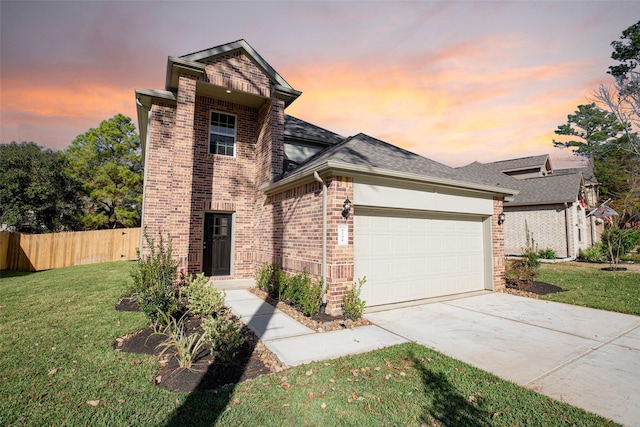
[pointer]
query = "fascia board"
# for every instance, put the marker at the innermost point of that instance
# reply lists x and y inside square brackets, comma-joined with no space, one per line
[145,98]
[184,66]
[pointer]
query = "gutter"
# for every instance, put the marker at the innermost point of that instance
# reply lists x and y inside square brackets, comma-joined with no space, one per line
[324,241]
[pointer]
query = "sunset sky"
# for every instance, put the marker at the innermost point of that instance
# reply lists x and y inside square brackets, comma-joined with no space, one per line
[454,81]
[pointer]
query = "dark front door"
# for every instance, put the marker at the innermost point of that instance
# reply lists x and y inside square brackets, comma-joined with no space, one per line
[217,244]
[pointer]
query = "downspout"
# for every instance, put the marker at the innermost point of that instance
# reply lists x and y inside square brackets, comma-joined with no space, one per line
[144,176]
[324,240]
[568,228]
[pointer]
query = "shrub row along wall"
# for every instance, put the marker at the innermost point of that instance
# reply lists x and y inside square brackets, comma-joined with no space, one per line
[35,252]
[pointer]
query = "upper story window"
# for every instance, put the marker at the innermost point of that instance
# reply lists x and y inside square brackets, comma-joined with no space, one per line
[222,134]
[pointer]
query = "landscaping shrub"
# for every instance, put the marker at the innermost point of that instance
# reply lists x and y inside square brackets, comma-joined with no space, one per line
[298,290]
[617,242]
[593,254]
[203,299]
[520,274]
[547,253]
[265,276]
[187,346]
[272,280]
[352,305]
[529,252]
[311,299]
[154,279]
[224,335]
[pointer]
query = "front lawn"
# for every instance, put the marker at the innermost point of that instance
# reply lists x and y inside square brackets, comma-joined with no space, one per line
[58,367]
[587,285]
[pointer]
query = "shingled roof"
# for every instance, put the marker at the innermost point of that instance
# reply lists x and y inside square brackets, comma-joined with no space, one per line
[305,131]
[519,164]
[544,190]
[367,153]
[587,173]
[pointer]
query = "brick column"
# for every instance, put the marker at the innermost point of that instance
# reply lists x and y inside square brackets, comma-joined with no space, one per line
[497,246]
[182,159]
[340,264]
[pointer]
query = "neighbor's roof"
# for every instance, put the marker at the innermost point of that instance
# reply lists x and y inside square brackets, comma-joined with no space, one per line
[520,163]
[587,173]
[362,154]
[304,131]
[544,190]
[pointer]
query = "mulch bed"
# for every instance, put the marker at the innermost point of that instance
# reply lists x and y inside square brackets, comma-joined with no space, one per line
[318,322]
[254,359]
[533,290]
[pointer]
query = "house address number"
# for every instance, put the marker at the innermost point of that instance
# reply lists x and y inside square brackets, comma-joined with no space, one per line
[343,235]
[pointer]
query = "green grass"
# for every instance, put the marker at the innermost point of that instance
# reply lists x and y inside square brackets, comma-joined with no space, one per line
[587,285]
[58,328]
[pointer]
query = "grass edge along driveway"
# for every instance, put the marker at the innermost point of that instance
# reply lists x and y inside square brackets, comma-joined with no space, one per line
[58,367]
[585,284]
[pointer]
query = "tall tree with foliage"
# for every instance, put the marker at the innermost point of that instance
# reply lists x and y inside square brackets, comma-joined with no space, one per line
[623,101]
[591,127]
[37,192]
[108,161]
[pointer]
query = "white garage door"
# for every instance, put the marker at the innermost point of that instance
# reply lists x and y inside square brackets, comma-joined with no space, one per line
[411,256]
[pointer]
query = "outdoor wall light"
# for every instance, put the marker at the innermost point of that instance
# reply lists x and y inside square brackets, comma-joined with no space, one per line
[346,207]
[501,218]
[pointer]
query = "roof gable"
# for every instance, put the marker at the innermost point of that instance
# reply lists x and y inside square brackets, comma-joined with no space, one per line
[523,163]
[214,52]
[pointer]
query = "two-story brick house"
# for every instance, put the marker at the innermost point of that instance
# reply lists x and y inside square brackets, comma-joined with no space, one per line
[236,182]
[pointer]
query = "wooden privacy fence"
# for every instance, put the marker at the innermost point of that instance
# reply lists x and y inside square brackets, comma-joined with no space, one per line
[35,252]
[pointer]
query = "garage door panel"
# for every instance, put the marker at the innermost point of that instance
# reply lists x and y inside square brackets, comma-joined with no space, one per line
[414,257]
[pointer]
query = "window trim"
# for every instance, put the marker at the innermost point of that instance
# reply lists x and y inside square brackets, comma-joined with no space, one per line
[210,132]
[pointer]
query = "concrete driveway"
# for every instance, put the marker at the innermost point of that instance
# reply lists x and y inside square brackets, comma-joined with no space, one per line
[588,358]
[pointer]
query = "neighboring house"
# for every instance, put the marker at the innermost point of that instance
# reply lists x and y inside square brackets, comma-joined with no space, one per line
[552,204]
[236,182]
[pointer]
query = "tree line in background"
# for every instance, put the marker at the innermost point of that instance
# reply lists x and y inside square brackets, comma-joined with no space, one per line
[606,130]
[96,183]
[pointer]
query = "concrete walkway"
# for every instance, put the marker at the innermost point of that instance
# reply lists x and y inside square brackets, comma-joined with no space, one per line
[295,344]
[588,358]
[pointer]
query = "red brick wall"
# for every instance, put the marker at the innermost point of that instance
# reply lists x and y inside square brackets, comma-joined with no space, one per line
[158,166]
[339,257]
[497,238]
[292,238]
[182,157]
[236,71]
[184,181]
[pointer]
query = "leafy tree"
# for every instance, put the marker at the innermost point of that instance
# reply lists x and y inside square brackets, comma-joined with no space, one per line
[108,161]
[592,126]
[37,192]
[627,52]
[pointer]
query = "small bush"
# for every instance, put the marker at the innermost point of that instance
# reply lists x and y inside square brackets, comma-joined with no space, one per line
[593,254]
[296,288]
[154,279]
[520,274]
[265,275]
[633,257]
[188,347]
[224,335]
[547,253]
[272,280]
[311,299]
[203,299]
[352,306]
